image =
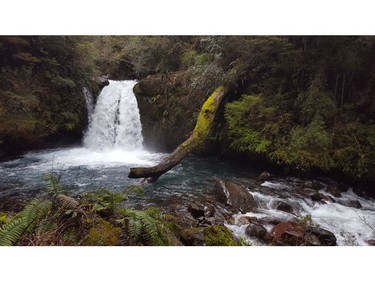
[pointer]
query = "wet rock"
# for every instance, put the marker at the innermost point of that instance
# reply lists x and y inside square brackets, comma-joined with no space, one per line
[288,233]
[371,242]
[317,197]
[294,234]
[269,220]
[264,176]
[211,221]
[256,230]
[209,211]
[285,207]
[312,240]
[183,216]
[352,204]
[314,185]
[334,190]
[246,220]
[231,220]
[307,192]
[197,210]
[235,195]
[325,237]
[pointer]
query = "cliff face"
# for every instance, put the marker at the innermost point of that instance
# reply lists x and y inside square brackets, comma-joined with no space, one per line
[168,109]
[41,99]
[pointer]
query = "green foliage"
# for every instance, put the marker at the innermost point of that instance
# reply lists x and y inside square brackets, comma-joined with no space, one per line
[24,222]
[104,201]
[52,183]
[188,58]
[246,121]
[308,147]
[148,227]
[102,234]
[218,235]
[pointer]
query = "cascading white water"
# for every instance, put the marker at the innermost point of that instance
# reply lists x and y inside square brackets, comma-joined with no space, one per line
[89,103]
[115,122]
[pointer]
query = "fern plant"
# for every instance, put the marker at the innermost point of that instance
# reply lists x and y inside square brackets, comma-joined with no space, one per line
[146,227]
[24,221]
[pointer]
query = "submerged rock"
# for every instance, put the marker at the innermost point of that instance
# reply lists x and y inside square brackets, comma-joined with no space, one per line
[235,195]
[351,203]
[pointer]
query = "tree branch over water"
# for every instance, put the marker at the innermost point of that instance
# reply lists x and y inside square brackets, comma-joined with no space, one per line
[199,135]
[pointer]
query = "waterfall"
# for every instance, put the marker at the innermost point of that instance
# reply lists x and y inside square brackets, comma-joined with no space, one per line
[89,103]
[115,122]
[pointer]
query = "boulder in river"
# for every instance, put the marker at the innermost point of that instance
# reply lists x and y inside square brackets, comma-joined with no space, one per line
[314,185]
[256,230]
[285,207]
[334,190]
[235,195]
[264,176]
[325,237]
[351,203]
[294,234]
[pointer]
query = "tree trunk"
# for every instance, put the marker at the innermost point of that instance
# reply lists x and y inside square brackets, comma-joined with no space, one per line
[197,138]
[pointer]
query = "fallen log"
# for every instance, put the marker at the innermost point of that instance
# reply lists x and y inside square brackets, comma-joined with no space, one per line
[197,138]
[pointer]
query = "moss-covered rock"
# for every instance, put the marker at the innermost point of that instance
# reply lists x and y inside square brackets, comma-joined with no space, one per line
[102,233]
[215,235]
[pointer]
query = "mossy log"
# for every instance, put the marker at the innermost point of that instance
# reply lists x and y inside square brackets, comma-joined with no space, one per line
[196,139]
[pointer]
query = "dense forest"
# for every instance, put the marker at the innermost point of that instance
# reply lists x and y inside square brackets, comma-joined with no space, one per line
[294,105]
[301,102]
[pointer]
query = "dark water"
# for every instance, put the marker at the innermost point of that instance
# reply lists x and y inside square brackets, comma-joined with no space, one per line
[81,170]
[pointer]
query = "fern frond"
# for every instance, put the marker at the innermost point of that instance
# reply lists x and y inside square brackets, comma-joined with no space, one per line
[34,211]
[144,228]
[24,221]
[12,231]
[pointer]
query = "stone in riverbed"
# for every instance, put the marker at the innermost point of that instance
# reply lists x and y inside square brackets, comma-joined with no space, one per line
[296,234]
[325,237]
[209,211]
[235,195]
[246,220]
[334,190]
[197,210]
[352,204]
[285,207]
[314,185]
[256,230]
[264,176]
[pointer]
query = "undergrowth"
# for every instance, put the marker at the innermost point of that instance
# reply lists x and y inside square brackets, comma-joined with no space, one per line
[89,219]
